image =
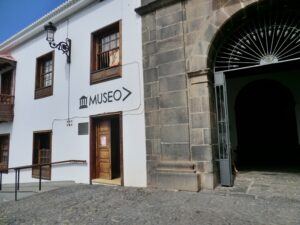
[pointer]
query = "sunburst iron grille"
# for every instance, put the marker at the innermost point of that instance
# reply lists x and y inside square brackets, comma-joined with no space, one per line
[267,40]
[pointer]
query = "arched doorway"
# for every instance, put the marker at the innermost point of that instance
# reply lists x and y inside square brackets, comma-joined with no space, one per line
[266,126]
[262,37]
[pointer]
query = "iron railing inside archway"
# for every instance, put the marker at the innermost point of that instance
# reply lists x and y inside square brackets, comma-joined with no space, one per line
[266,40]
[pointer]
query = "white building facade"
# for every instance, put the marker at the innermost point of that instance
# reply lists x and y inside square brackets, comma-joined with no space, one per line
[91,109]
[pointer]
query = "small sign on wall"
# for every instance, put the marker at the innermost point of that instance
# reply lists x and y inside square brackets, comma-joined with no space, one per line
[83,128]
[104,98]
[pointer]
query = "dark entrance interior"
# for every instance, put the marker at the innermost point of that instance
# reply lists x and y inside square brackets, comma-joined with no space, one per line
[4,151]
[6,83]
[266,126]
[106,148]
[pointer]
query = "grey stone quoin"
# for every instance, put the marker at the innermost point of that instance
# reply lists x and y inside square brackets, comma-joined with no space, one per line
[181,133]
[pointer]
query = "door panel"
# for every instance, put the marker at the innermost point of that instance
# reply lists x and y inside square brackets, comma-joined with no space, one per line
[104,154]
[4,148]
[42,154]
[103,149]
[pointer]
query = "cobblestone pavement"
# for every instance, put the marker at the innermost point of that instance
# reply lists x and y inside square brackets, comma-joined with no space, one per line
[257,198]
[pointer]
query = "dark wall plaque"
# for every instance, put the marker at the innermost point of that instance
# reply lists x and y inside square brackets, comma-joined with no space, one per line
[83,128]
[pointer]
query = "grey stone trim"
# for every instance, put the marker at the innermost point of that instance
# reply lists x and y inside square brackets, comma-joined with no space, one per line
[203,72]
[149,6]
[201,76]
[178,181]
[178,176]
[183,166]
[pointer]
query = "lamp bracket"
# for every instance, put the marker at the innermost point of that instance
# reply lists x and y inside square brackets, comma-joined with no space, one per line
[65,47]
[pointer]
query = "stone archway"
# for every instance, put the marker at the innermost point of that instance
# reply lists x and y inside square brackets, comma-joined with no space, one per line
[263,33]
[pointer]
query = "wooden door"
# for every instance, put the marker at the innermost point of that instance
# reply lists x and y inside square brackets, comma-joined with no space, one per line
[45,157]
[4,147]
[42,154]
[103,149]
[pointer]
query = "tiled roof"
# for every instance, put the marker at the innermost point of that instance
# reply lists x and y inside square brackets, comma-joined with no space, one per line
[6,62]
[7,57]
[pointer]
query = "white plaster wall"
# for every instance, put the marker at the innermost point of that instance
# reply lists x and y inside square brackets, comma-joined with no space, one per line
[51,113]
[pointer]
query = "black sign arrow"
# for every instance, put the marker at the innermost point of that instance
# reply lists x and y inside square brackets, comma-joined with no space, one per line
[128,93]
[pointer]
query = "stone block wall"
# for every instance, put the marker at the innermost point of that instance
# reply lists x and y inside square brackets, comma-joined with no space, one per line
[166,95]
[180,114]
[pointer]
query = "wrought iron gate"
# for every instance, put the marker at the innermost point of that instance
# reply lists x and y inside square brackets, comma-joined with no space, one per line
[223,130]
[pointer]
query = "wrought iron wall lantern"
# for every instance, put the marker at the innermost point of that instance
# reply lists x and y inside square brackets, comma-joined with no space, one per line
[65,47]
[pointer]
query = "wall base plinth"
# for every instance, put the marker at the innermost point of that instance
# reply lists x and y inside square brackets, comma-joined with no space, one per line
[178,176]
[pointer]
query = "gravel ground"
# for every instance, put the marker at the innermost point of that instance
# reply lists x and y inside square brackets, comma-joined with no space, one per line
[97,204]
[8,194]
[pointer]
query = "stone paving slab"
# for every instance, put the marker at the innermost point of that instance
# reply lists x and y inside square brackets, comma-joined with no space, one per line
[266,185]
[97,204]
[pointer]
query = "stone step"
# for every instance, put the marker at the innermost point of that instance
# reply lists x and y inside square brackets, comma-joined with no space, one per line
[172,170]
[181,166]
[113,182]
[178,181]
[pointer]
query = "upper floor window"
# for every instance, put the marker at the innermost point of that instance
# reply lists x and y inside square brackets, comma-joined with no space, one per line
[106,53]
[109,52]
[6,96]
[6,83]
[44,75]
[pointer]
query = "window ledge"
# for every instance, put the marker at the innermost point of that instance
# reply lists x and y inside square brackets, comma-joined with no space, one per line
[43,92]
[106,74]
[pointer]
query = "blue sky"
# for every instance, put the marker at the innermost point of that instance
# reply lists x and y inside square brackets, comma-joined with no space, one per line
[17,14]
